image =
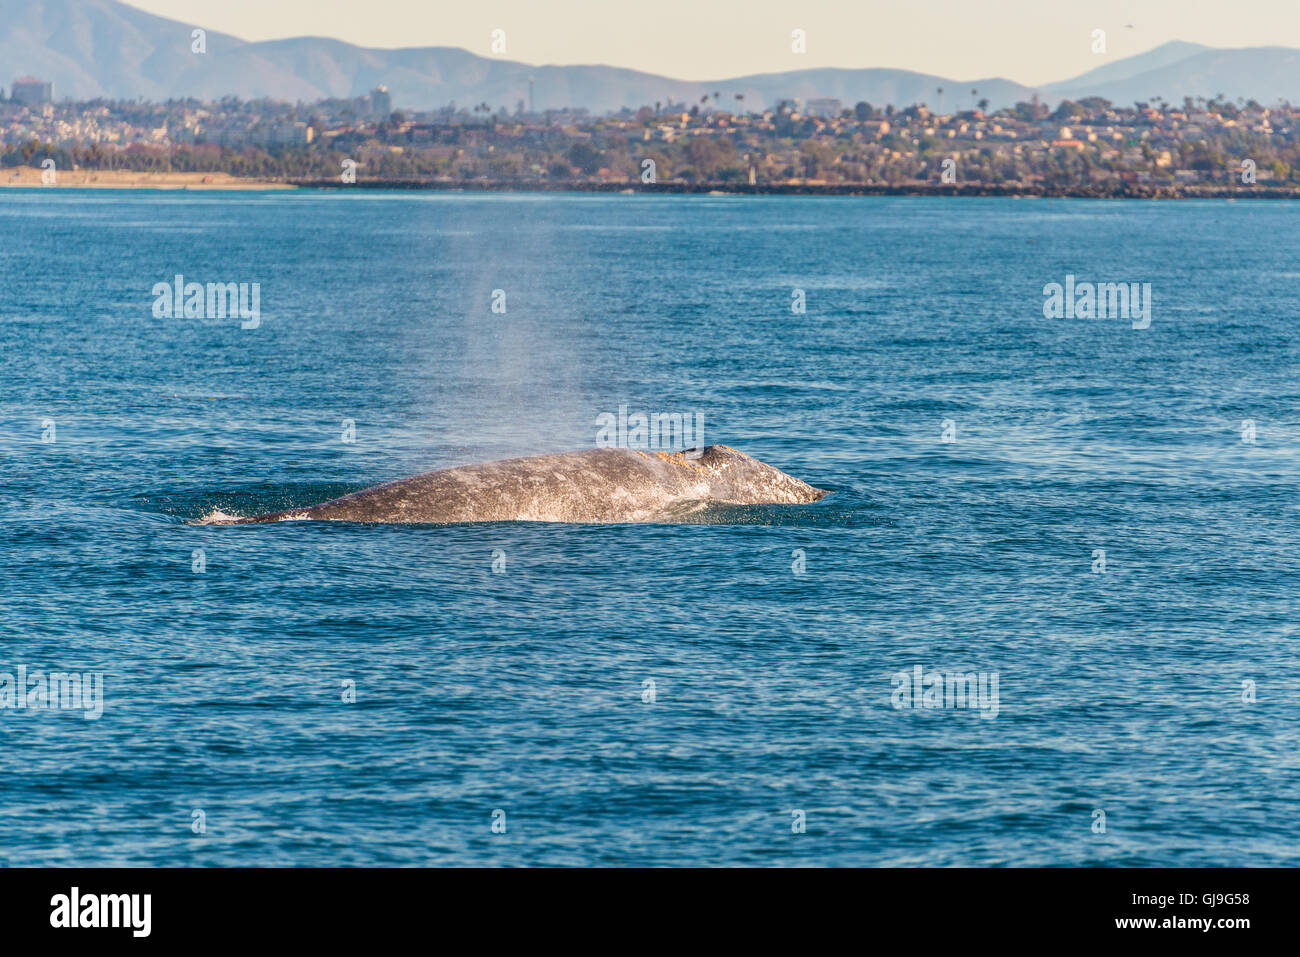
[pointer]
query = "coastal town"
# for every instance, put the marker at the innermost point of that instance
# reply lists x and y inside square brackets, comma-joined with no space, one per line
[721,142]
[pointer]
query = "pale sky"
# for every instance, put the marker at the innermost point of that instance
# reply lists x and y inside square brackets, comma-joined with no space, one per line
[1030,41]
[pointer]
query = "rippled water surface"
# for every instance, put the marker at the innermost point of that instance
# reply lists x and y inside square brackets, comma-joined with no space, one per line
[1127,692]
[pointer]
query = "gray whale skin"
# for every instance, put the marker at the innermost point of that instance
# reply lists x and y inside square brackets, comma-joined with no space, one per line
[598,485]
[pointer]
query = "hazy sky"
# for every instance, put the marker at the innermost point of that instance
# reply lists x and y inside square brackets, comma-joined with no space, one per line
[1031,41]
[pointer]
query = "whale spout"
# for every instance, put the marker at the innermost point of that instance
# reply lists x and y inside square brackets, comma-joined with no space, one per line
[610,485]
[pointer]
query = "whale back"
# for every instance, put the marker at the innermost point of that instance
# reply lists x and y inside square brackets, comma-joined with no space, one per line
[596,485]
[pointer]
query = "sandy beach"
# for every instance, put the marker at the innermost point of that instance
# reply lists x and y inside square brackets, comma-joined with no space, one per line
[26,176]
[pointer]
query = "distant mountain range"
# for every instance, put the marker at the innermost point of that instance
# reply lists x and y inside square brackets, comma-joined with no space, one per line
[1176,70]
[102,48]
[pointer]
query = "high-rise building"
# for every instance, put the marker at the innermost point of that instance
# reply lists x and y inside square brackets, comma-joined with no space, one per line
[30,91]
[381,104]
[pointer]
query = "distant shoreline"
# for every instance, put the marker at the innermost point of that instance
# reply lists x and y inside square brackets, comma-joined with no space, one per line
[26,177]
[29,177]
[1126,191]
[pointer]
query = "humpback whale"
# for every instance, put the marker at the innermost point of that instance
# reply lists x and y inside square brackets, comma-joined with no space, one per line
[608,485]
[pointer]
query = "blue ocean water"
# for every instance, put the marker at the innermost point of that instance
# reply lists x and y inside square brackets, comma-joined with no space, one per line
[1159,696]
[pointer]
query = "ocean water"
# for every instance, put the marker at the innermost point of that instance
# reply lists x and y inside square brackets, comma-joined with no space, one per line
[1159,695]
